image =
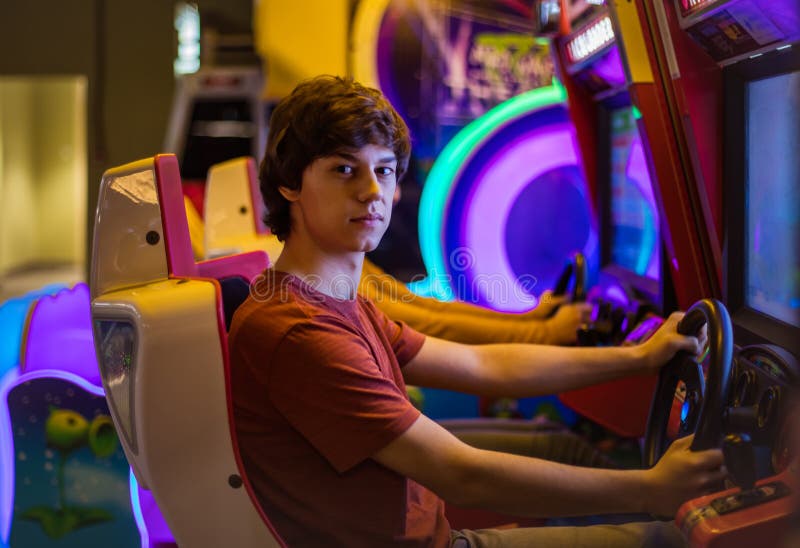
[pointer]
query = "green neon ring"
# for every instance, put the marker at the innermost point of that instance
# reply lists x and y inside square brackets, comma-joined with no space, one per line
[445,170]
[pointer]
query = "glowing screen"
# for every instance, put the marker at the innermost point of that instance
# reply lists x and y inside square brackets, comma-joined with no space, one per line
[634,215]
[772,279]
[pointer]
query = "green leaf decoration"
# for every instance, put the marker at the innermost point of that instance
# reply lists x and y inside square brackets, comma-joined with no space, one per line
[57,522]
[102,436]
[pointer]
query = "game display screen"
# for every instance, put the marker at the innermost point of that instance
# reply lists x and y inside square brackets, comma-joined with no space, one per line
[772,277]
[634,215]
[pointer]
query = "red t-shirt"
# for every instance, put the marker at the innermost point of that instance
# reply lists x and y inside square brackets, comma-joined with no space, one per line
[317,390]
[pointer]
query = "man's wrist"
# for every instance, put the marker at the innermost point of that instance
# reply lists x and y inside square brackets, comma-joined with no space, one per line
[644,491]
[640,358]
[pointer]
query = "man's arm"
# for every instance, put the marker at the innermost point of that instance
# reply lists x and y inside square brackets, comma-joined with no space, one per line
[502,482]
[470,323]
[522,370]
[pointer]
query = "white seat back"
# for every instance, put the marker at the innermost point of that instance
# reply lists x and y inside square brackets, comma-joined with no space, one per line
[162,346]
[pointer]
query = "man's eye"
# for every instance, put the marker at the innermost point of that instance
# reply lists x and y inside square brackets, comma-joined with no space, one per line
[384,171]
[346,170]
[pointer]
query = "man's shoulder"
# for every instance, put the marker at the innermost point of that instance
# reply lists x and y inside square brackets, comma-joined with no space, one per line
[274,313]
[272,316]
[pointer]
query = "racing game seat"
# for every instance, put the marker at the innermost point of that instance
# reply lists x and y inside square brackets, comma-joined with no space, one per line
[160,327]
[234,212]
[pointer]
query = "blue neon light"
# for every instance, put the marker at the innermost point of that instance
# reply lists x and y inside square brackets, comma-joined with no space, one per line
[13,313]
[137,511]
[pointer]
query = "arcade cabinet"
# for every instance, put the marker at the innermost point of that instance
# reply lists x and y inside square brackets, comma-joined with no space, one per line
[762,262]
[635,286]
[611,85]
[64,479]
[729,73]
[217,115]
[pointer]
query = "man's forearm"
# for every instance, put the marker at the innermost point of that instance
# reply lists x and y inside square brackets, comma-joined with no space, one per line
[530,370]
[532,487]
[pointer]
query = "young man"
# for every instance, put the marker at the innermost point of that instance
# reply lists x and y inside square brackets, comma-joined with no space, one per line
[336,453]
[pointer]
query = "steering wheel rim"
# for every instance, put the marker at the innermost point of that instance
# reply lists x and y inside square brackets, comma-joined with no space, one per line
[703,417]
[575,268]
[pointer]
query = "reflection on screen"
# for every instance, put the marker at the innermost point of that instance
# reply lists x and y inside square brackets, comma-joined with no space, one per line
[634,215]
[773,197]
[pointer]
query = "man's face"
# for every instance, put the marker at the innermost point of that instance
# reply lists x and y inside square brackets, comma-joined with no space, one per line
[345,201]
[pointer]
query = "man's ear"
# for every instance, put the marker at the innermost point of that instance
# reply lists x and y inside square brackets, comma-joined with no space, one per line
[397,194]
[290,194]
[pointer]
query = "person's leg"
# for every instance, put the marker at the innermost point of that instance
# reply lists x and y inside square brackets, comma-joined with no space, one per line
[655,534]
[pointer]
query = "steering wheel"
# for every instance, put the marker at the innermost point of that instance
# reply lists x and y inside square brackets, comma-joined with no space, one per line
[574,269]
[704,401]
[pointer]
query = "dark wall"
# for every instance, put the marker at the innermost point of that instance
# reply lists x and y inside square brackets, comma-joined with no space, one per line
[125,50]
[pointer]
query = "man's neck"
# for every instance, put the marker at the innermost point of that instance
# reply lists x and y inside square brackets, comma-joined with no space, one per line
[334,275]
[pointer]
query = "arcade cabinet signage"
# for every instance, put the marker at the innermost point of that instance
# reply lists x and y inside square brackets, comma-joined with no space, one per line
[688,7]
[735,29]
[591,39]
[466,62]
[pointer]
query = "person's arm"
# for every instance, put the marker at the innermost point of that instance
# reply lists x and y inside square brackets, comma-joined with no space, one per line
[536,326]
[547,302]
[442,322]
[522,370]
[502,482]
[468,323]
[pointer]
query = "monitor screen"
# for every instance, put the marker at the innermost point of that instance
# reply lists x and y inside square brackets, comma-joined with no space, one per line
[635,243]
[772,271]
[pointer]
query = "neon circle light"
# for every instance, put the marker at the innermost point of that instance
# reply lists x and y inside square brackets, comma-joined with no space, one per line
[448,167]
[552,146]
[366,31]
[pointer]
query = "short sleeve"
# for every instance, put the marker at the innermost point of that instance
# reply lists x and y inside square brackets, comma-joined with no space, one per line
[325,381]
[406,342]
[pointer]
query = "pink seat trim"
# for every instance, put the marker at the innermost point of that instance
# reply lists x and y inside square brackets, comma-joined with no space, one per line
[255,198]
[178,244]
[245,265]
[180,263]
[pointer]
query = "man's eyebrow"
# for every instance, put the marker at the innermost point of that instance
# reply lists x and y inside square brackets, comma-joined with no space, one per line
[345,155]
[353,158]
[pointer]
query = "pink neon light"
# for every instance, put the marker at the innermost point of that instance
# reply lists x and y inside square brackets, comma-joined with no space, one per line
[495,190]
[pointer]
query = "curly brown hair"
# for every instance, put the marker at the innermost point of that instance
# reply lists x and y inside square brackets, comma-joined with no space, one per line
[321,117]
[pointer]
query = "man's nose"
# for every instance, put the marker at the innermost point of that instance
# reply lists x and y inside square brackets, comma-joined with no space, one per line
[369,188]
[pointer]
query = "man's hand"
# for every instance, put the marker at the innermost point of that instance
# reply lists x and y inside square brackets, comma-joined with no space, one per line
[562,328]
[548,301]
[682,475]
[665,342]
